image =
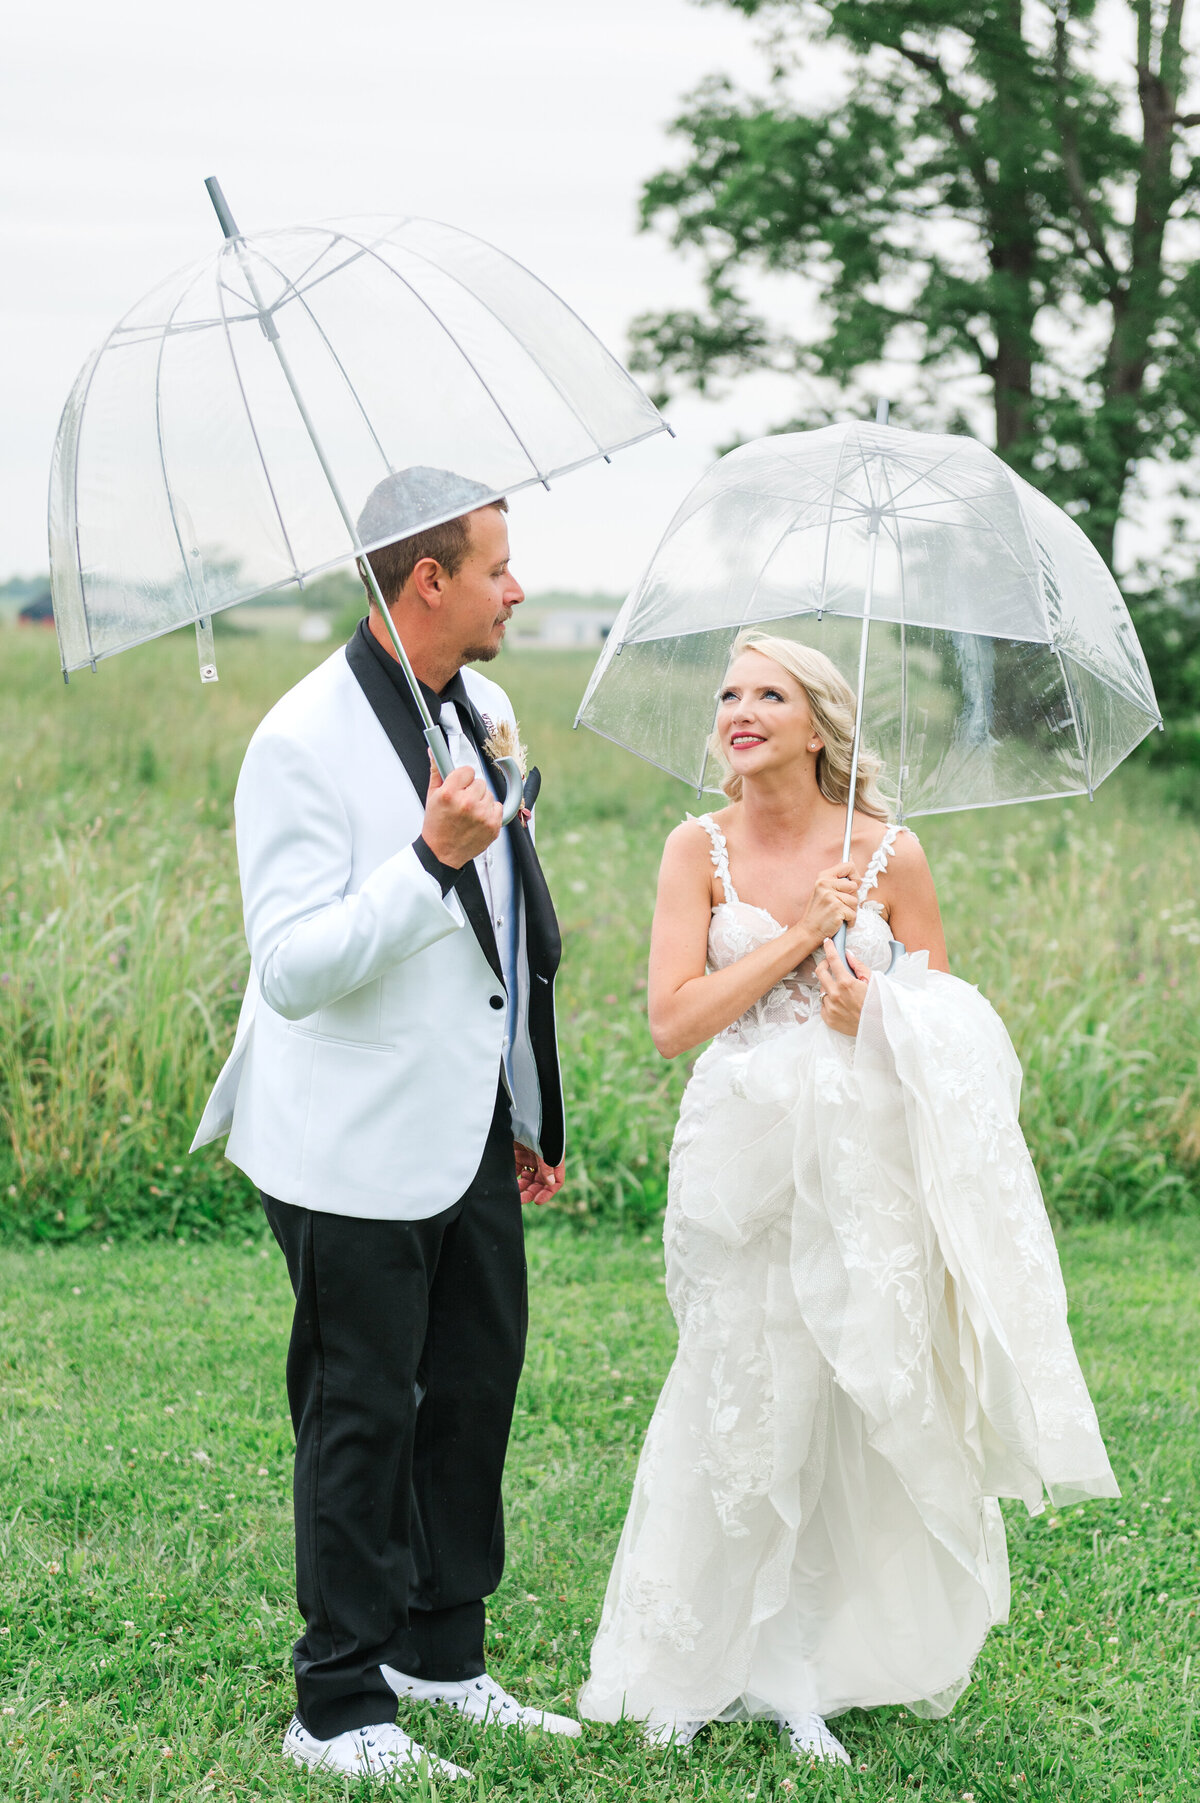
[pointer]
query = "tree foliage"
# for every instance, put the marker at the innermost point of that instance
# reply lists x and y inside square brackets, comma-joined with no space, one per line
[976,198]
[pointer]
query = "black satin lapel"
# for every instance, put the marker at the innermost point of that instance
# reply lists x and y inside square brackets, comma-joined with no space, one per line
[406,736]
[402,726]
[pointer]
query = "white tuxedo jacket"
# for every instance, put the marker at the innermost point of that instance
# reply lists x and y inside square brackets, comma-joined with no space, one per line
[363,1074]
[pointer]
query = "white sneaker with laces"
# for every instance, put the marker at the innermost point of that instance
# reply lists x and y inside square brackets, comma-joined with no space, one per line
[671,1734]
[481,1699]
[811,1739]
[379,1750]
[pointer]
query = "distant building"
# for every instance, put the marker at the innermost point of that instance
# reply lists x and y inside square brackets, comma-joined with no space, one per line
[561,628]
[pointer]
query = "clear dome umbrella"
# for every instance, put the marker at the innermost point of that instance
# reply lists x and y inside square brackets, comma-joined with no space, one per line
[225,438]
[989,646]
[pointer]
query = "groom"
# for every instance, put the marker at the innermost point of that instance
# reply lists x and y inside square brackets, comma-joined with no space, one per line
[394,1093]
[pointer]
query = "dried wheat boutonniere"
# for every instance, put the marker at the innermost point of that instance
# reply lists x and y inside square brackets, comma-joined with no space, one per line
[504,741]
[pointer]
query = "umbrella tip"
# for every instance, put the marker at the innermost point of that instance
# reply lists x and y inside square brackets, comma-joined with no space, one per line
[882,409]
[221,207]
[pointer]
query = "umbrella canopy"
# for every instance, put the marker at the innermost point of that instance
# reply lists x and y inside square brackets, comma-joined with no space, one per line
[186,478]
[1001,663]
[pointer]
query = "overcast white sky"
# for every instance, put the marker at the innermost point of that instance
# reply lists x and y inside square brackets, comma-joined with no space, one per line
[530,122]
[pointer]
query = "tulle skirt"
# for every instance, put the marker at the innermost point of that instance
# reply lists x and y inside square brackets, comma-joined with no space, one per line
[873,1348]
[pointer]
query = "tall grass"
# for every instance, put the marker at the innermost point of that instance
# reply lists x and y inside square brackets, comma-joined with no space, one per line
[122,959]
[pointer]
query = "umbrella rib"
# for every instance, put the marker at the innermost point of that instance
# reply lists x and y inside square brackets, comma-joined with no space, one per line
[565,398]
[1083,756]
[366,419]
[254,429]
[469,361]
[584,327]
[293,282]
[1031,542]
[901,764]
[338,236]
[762,570]
[162,454]
[1014,480]
[837,476]
[87,624]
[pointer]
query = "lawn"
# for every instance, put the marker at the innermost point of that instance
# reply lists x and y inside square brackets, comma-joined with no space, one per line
[146,1609]
[146,1605]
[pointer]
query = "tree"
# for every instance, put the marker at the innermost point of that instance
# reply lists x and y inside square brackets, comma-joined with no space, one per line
[977,198]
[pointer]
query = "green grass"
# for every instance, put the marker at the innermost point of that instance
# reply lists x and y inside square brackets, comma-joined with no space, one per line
[146,1611]
[122,960]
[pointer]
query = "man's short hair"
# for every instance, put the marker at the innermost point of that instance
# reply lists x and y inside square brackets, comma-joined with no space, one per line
[407,494]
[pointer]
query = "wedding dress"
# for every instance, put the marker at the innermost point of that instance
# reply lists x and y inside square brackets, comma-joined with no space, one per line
[873,1347]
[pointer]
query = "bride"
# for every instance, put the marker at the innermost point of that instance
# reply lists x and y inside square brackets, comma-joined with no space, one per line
[873,1341]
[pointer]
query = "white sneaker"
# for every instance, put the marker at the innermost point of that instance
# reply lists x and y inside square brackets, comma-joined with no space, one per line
[811,1739]
[671,1734]
[377,1751]
[482,1699]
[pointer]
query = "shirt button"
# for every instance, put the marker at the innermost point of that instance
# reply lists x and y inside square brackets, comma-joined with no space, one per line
[497,1001]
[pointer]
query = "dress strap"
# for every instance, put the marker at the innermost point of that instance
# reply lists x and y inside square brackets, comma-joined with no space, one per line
[879,859]
[719,852]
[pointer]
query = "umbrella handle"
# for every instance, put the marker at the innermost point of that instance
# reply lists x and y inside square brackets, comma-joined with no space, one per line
[514,793]
[839,942]
[513,780]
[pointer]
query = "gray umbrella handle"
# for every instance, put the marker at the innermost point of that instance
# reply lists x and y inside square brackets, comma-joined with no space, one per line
[514,793]
[513,780]
[839,941]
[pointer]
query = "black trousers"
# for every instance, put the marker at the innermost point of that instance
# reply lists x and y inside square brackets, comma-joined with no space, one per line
[402,1372]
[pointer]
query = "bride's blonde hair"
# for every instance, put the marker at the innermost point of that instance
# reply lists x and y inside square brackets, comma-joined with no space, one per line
[831,703]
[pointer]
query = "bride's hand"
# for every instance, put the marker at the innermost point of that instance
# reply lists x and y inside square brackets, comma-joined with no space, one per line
[834,899]
[843,991]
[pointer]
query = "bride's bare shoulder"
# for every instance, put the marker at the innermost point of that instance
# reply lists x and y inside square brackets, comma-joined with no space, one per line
[689,842]
[688,854]
[907,866]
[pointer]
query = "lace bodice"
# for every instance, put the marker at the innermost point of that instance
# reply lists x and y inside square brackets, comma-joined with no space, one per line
[738,927]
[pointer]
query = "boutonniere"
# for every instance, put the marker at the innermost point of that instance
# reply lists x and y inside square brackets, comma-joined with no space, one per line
[504,741]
